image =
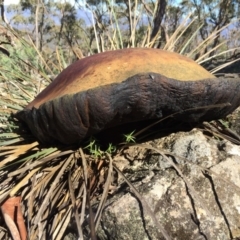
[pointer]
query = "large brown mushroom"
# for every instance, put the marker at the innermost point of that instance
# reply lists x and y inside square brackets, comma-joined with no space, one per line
[131,85]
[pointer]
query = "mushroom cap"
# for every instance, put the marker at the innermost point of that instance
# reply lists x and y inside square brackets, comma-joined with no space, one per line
[115,88]
[115,67]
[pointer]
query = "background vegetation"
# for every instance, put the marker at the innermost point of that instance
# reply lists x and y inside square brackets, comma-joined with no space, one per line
[206,31]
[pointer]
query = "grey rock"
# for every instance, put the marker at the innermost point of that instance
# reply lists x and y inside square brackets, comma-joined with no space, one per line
[210,211]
